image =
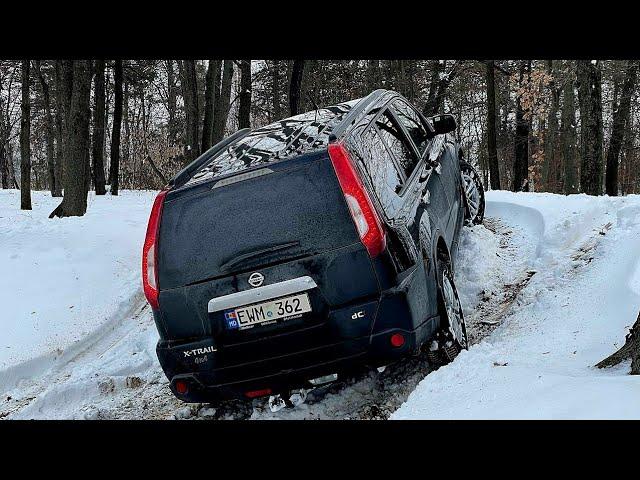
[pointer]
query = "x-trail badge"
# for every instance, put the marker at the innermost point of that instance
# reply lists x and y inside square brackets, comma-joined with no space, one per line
[256,279]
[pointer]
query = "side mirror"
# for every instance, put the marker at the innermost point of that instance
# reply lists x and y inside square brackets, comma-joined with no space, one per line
[445,123]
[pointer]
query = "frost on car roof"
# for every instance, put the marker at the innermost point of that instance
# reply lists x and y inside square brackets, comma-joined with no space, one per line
[277,141]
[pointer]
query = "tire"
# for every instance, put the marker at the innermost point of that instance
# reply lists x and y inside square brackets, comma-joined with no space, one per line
[451,337]
[473,192]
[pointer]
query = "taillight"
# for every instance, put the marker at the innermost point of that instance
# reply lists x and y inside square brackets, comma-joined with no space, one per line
[362,210]
[150,252]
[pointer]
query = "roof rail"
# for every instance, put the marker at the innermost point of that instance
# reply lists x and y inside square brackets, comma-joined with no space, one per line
[355,112]
[185,174]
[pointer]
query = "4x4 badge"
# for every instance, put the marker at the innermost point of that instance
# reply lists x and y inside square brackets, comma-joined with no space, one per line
[256,279]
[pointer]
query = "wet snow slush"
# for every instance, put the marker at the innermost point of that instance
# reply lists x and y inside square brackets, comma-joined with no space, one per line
[117,376]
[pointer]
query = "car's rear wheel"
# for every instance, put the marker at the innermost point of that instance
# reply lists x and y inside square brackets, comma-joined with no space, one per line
[474,194]
[451,338]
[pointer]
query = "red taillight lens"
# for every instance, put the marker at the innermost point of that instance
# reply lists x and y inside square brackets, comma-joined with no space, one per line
[182,387]
[362,210]
[258,393]
[397,340]
[150,252]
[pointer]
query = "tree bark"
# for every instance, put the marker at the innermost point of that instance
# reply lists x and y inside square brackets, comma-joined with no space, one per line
[521,149]
[74,202]
[373,76]
[440,81]
[549,166]
[589,76]
[568,135]
[275,90]
[49,130]
[172,102]
[114,167]
[244,110]
[222,102]
[492,150]
[189,85]
[60,127]
[98,129]
[212,90]
[630,350]
[295,87]
[25,139]
[620,126]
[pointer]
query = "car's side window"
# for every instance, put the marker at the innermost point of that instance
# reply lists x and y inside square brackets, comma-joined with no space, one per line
[383,173]
[412,122]
[397,143]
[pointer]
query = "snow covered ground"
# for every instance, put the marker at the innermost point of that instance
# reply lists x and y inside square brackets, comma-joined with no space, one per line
[64,281]
[549,285]
[573,312]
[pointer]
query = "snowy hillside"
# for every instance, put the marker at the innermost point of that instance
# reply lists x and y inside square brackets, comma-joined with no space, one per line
[65,280]
[549,285]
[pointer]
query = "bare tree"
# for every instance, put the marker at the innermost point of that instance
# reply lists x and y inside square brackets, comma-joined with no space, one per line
[568,134]
[521,147]
[589,79]
[49,130]
[212,91]
[221,106]
[25,140]
[114,167]
[491,126]
[620,127]
[188,81]
[74,202]
[98,128]
[244,110]
[295,86]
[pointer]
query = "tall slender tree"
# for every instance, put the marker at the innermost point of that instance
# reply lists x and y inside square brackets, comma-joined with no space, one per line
[568,133]
[589,79]
[620,126]
[49,129]
[188,81]
[25,139]
[98,128]
[222,102]
[244,110]
[492,150]
[212,91]
[295,86]
[74,202]
[521,147]
[114,167]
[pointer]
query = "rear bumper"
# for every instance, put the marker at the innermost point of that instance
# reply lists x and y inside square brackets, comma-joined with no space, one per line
[286,372]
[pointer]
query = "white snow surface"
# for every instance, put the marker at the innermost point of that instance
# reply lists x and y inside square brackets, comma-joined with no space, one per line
[97,359]
[574,312]
[65,281]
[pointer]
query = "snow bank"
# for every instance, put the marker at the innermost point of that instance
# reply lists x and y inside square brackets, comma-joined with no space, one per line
[65,281]
[573,313]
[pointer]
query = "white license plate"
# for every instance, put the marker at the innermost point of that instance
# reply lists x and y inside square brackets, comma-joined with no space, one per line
[285,308]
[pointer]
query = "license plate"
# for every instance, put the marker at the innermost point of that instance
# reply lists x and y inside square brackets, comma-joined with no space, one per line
[265,313]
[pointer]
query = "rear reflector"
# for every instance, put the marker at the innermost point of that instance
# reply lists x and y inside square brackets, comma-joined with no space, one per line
[258,393]
[397,340]
[182,387]
[150,252]
[362,210]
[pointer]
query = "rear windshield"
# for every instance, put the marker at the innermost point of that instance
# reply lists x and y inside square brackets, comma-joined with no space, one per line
[277,141]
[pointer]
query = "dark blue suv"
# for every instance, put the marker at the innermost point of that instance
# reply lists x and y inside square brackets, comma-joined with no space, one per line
[293,254]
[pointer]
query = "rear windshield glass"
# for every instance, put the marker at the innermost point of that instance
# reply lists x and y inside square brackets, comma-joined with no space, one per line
[277,141]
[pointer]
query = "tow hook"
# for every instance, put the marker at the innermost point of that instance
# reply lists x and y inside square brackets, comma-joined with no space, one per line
[290,399]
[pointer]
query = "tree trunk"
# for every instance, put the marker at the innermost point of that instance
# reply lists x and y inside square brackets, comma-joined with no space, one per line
[440,81]
[275,96]
[114,167]
[172,102]
[373,76]
[521,150]
[244,110]
[295,87]
[568,135]
[76,169]
[549,166]
[189,85]
[222,102]
[589,76]
[25,139]
[492,150]
[630,350]
[212,90]
[98,129]
[48,124]
[620,126]
[60,126]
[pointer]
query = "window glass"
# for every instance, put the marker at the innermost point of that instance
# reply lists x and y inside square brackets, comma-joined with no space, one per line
[413,124]
[397,143]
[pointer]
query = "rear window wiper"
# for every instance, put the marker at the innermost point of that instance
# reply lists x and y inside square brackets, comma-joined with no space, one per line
[246,256]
